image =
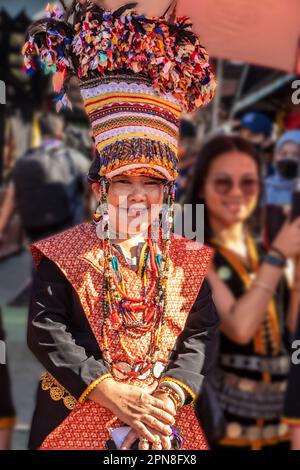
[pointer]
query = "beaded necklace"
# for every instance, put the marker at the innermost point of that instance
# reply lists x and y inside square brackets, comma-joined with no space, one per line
[120,309]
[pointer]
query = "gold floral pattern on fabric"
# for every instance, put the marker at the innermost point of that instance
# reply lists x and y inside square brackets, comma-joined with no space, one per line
[84,268]
[57,391]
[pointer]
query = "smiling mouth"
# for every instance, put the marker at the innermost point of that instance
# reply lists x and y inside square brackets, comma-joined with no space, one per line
[135,211]
[233,205]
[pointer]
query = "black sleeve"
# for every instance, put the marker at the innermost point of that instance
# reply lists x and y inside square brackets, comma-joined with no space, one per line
[195,349]
[59,334]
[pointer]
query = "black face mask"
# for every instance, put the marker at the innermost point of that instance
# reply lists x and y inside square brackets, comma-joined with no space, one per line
[287,168]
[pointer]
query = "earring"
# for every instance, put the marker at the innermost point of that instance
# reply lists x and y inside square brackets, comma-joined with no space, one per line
[168,211]
[97,215]
[101,215]
[155,226]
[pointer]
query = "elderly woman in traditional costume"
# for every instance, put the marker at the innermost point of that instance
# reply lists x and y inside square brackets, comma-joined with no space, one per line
[120,314]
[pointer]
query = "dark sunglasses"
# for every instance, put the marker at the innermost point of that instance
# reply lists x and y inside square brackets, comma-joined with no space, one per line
[249,186]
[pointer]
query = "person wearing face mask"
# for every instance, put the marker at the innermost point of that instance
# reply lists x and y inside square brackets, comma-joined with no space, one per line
[279,187]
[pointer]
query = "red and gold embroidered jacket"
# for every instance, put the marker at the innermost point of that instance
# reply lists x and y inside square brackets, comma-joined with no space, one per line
[78,255]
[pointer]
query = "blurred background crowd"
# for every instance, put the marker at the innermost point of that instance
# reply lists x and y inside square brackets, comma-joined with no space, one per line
[240,156]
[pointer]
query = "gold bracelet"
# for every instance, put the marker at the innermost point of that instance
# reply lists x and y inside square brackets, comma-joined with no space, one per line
[264,286]
[185,387]
[172,395]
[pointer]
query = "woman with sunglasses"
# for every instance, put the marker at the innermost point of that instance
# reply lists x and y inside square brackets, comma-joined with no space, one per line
[249,291]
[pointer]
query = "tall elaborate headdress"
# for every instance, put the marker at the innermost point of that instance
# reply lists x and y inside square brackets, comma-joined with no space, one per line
[137,74]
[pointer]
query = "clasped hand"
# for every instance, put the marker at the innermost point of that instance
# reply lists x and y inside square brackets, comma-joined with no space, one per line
[150,414]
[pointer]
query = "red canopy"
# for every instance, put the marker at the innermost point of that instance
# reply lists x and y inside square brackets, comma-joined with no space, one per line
[262,32]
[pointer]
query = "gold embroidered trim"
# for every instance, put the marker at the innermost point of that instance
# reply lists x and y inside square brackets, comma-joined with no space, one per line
[57,391]
[182,385]
[91,387]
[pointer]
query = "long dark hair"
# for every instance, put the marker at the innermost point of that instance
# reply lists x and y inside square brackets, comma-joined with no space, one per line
[210,151]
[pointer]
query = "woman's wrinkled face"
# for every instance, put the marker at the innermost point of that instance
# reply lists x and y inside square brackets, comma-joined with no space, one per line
[231,189]
[134,202]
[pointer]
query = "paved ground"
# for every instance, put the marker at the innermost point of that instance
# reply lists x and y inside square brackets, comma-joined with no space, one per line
[14,276]
[25,370]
